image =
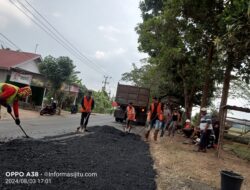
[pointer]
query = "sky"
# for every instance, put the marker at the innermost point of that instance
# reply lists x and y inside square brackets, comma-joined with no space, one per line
[103,31]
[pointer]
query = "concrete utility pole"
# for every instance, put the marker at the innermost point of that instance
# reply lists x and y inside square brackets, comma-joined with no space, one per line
[105,82]
[36,47]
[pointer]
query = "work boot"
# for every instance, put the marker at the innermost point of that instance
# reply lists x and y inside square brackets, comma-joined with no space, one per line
[78,129]
[147,134]
[156,134]
[162,133]
[129,129]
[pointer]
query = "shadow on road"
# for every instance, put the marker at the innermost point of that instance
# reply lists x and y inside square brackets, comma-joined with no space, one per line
[121,162]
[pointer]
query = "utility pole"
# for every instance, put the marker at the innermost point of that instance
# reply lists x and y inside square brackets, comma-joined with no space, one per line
[36,47]
[105,82]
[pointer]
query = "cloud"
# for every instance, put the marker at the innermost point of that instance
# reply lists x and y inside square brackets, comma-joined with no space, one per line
[99,54]
[119,51]
[56,14]
[109,29]
[105,55]
[10,12]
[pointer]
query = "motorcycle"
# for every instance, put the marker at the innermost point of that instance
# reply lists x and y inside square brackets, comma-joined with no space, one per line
[74,109]
[49,109]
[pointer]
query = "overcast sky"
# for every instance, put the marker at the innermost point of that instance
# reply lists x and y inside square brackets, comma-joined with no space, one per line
[104,31]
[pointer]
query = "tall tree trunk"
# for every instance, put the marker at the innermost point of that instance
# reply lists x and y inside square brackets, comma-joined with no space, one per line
[207,84]
[224,97]
[226,86]
[188,96]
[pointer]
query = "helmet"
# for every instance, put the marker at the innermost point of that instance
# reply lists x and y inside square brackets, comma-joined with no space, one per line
[24,92]
[187,120]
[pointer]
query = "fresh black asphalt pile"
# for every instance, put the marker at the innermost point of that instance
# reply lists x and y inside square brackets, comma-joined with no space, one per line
[121,162]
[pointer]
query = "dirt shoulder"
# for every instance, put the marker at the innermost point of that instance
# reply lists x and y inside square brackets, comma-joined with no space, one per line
[26,114]
[179,167]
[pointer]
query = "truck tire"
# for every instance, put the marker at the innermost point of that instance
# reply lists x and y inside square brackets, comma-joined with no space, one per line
[117,119]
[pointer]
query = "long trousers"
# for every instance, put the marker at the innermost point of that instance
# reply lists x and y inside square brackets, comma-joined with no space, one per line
[85,116]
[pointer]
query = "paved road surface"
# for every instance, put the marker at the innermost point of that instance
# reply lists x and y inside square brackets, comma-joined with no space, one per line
[45,126]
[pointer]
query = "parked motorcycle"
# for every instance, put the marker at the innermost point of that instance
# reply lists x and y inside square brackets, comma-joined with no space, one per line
[50,109]
[74,109]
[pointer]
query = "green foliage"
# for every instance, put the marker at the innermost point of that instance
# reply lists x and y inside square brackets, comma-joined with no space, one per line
[180,36]
[57,70]
[102,102]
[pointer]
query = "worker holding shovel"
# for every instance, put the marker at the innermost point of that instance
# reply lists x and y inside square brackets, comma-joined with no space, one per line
[130,111]
[9,95]
[87,106]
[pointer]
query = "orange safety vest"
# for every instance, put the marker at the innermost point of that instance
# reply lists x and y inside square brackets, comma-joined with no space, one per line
[131,113]
[159,111]
[87,104]
[12,98]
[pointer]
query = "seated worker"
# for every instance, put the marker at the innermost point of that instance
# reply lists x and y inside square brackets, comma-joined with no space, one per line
[188,130]
[10,94]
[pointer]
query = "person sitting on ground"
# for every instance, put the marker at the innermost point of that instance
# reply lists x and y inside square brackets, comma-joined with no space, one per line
[10,94]
[188,130]
[216,128]
[130,111]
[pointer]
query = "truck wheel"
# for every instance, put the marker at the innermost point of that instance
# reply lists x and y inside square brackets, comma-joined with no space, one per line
[116,119]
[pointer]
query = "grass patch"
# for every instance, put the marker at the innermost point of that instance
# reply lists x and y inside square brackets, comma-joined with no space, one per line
[241,150]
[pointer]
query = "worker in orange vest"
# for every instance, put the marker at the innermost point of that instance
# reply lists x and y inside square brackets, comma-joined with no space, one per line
[155,115]
[130,111]
[159,121]
[88,104]
[10,95]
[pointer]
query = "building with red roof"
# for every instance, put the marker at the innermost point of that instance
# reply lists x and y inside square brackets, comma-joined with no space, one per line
[21,69]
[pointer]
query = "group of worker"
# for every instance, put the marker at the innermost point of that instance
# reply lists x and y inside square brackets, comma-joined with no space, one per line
[158,117]
[11,94]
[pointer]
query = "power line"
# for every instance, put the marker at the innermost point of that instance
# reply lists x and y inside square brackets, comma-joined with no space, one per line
[72,45]
[37,21]
[52,34]
[10,42]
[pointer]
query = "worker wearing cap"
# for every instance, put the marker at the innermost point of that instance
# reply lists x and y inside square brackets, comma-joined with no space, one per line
[188,130]
[10,94]
[130,111]
[88,104]
[205,129]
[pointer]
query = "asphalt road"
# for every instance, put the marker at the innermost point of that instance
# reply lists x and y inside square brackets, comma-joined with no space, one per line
[46,126]
[118,161]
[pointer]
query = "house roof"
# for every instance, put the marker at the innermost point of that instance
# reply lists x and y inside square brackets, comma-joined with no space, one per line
[10,59]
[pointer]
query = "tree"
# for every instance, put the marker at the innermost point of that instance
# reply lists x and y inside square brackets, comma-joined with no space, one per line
[172,42]
[57,71]
[102,102]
